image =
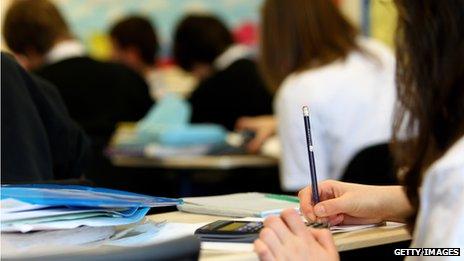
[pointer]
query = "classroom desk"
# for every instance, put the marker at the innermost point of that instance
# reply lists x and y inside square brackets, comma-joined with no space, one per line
[125,130]
[344,241]
[225,162]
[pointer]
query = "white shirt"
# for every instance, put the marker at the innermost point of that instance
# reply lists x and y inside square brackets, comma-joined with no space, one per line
[65,50]
[440,221]
[174,80]
[232,54]
[351,105]
[170,80]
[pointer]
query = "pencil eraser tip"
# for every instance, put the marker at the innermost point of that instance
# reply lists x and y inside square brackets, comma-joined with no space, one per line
[305,111]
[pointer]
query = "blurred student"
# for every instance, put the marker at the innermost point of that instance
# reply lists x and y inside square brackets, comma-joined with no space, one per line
[97,94]
[40,142]
[135,44]
[230,85]
[430,84]
[319,60]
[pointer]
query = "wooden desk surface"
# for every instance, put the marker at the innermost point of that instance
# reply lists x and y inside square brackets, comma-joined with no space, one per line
[125,130]
[344,241]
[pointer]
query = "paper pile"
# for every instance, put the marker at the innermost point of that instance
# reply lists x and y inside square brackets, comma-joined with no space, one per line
[49,218]
[26,208]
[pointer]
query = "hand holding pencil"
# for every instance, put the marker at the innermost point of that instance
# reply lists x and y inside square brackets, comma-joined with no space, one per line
[351,204]
[343,203]
[312,167]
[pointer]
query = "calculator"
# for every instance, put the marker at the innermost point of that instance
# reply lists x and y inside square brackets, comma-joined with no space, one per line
[230,231]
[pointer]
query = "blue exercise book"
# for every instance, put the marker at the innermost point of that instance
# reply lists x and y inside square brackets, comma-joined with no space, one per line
[82,196]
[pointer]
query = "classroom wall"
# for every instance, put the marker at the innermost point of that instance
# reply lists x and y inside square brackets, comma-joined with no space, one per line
[91,24]
[90,19]
[383,21]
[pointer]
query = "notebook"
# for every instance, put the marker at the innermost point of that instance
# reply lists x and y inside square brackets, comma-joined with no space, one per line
[251,204]
[82,196]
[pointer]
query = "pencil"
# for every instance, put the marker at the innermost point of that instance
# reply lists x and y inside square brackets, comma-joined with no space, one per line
[312,164]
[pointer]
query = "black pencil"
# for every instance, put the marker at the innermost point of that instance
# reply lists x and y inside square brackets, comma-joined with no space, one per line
[312,164]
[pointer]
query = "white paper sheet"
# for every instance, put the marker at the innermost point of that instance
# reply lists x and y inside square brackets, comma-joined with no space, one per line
[227,247]
[176,230]
[56,212]
[337,229]
[10,205]
[349,228]
[74,223]
[56,238]
[135,236]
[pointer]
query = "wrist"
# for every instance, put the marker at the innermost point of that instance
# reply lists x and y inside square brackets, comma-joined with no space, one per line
[396,204]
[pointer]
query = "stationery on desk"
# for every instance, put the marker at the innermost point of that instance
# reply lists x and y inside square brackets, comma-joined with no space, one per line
[76,215]
[70,216]
[252,204]
[166,131]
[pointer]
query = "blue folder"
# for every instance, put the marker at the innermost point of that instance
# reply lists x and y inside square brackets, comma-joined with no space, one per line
[82,196]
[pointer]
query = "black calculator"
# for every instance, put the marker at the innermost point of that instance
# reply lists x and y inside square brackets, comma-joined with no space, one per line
[230,231]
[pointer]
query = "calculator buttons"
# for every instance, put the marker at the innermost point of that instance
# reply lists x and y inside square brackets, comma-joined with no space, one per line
[251,227]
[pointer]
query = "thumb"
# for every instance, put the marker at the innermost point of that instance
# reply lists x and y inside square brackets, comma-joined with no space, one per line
[331,207]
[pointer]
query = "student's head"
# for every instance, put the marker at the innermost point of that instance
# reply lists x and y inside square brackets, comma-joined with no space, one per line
[198,41]
[301,34]
[31,28]
[430,85]
[135,42]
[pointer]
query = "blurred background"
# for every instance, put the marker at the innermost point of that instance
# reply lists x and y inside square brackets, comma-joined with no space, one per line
[91,22]
[91,19]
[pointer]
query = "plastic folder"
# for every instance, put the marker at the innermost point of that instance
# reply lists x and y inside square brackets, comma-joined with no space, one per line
[81,196]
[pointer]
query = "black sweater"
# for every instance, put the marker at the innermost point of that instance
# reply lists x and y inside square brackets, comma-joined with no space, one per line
[236,91]
[98,94]
[39,140]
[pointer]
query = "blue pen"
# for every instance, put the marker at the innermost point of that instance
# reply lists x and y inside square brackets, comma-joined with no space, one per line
[312,164]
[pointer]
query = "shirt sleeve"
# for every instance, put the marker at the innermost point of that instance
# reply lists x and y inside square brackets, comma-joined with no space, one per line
[440,222]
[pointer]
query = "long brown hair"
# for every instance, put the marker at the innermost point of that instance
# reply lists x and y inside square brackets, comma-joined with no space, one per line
[430,86]
[301,34]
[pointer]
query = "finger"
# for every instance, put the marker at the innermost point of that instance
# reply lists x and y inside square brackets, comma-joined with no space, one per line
[349,220]
[327,189]
[260,137]
[254,145]
[263,252]
[269,237]
[305,204]
[326,192]
[293,222]
[335,220]
[277,225]
[332,207]
[324,237]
